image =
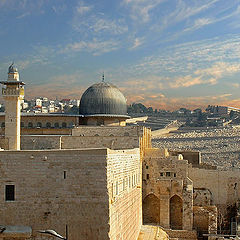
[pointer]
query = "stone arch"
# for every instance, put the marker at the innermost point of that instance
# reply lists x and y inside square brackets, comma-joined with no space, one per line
[30,125]
[64,125]
[56,125]
[151,209]
[48,125]
[176,212]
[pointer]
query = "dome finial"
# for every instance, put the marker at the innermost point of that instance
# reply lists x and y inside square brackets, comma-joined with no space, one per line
[12,68]
[103,77]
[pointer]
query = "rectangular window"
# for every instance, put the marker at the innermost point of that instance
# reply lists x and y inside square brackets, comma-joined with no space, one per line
[64,175]
[174,174]
[146,167]
[147,176]
[168,174]
[9,192]
[161,174]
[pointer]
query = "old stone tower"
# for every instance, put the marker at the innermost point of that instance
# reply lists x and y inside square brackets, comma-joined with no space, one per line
[12,93]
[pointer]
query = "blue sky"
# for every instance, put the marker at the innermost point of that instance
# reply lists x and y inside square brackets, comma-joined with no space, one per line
[163,53]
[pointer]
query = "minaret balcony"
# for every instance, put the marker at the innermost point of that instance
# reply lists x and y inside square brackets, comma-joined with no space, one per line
[13,92]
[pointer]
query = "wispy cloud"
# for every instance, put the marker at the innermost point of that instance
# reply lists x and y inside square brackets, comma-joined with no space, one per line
[137,42]
[82,8]
[140,10]
[95,47]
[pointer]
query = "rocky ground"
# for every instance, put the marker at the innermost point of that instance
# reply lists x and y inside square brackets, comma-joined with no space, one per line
[219,147]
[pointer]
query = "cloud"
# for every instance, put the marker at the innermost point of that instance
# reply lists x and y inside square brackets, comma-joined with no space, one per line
[137,42]
[95,47]
[82,8]
[140,10]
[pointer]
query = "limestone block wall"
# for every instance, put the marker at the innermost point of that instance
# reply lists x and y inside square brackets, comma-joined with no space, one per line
[125,193]
[105,131]
[223,185]
[33,142]
[113,142]
[55,188]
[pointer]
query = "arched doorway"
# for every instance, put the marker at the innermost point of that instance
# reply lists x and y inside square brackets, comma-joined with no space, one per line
[176,212]
[151,209]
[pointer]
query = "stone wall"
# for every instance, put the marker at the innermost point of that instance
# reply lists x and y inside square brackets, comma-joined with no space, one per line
[113,142]
[78,188]
[166,184]
[223,185]
[124,183]
[205,219]
[33,142]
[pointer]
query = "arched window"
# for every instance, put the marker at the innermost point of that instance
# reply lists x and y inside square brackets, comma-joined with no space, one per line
[3,125]
[48,125]
[64,125]
[39,124]
[56,125]
[30,125]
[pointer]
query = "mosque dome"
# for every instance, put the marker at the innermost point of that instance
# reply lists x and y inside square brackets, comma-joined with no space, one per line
[12,68]
[103,99]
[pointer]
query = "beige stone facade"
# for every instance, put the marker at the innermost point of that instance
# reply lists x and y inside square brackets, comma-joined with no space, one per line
[88,190]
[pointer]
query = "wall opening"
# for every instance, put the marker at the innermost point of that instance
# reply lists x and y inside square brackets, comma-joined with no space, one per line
[9,192]
[176,212]
[151,209]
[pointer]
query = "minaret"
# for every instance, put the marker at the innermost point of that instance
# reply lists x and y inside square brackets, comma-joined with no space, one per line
[13,92]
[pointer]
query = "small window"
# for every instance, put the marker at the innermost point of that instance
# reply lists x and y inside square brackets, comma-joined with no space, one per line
[3,125]
[174,174]
[64,175]
[64,125]
[147,176]
[39,125]
[48,125]
[168,174]
[30,124]
[22,124]
[146,166]
[10,193]
[56,125]
[161,174]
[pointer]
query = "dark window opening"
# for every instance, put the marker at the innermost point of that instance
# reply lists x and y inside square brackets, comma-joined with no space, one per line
[10,193]
[22,124]
[146,167]
[161,174]
[39,125]
[3,125]
[30,124]
[56,125]
[48,125]
[147,176]
[64,125]
[174,174]
[168,174]
[64,175]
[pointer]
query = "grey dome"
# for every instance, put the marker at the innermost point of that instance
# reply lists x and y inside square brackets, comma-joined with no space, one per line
[12,68]
[103,99]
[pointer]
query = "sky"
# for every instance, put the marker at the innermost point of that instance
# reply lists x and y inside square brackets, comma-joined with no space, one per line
[163,53]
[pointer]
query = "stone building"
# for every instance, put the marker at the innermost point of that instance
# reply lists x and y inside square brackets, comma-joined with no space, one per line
[97,176]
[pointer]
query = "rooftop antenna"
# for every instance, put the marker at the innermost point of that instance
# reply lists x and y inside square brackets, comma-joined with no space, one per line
[103,77]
